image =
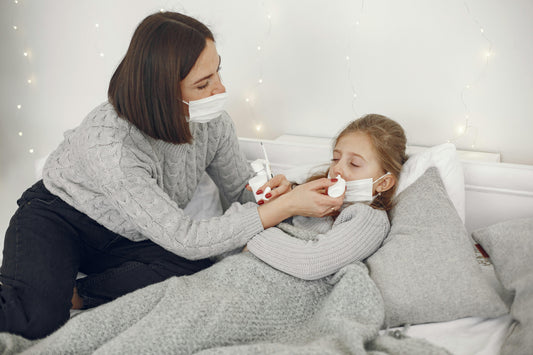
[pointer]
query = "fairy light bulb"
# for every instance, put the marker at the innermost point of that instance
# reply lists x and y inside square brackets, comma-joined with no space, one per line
[25,54]
[19,107]
[101,54]
[258,128]
[15,27]
[20,134]
[31,151]
[259,48]
[260,81]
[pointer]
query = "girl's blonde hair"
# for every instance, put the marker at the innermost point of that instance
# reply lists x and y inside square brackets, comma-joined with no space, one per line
[389,141]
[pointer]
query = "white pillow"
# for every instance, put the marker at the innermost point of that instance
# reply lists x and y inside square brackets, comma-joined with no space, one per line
[445,158]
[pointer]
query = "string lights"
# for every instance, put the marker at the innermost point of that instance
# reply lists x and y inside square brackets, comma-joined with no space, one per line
[251,96]
[29,80]
[466,129]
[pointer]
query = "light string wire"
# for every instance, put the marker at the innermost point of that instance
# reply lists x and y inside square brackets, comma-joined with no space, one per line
[251,97]
[355,25]
[467,129]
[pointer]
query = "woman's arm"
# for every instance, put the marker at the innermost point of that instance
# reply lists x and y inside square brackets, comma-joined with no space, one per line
[229,168]
[357,233]
[305,200]
[135,206]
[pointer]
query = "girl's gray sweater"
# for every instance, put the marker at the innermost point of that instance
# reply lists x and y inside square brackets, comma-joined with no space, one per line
[137,186]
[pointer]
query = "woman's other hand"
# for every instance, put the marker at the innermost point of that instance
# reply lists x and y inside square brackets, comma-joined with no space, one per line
[279,185]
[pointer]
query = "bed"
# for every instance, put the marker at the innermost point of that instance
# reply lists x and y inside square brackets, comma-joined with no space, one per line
[491,197]
[465,284]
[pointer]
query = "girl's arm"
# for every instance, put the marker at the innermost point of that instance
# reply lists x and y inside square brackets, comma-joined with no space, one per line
[358,232]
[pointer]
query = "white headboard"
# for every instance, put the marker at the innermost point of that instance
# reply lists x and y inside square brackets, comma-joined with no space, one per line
[495,191]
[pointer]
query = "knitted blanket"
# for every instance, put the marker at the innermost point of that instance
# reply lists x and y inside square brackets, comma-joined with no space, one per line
[238,306]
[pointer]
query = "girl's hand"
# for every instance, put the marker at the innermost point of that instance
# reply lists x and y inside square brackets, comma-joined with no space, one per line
[279,185]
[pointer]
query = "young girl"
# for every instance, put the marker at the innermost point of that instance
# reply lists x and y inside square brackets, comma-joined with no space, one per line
[111,200]
[371,148]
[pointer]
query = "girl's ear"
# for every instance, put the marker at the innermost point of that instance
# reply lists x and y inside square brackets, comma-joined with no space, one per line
[386,183]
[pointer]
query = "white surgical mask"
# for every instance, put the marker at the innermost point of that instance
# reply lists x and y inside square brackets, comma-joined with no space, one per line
[206,109]
[360,190]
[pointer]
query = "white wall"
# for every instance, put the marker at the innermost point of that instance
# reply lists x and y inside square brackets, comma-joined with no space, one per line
[411,60]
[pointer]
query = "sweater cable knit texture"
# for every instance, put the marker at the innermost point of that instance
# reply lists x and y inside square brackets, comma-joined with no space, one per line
[137,186]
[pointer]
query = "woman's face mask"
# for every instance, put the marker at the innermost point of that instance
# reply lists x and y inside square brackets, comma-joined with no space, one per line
[206,109]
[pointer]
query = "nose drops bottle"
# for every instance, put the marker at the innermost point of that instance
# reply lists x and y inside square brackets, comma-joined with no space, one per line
[260,178]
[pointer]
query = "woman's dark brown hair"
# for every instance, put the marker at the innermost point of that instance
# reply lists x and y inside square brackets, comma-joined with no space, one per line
[145,88]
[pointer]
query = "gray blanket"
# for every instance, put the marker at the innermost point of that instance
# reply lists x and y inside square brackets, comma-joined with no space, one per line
[239,306]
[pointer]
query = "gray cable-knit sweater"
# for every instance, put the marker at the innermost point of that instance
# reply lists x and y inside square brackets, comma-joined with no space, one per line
[312,248]
[137,186]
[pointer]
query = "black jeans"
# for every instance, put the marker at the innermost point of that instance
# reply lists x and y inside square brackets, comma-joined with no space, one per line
[48,242]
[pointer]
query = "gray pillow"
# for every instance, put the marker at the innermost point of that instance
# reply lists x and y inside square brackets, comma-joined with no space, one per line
[510,248]
[426,269]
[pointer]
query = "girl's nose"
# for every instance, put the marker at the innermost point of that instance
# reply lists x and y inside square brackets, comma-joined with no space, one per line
[336,170]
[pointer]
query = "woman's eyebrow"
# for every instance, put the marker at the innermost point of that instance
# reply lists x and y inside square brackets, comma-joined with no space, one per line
[210,75]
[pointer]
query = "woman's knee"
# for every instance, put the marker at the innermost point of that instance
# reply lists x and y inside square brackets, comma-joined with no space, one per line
[26,313]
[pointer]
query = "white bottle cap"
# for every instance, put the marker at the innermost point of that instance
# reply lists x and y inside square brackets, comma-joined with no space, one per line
[258,165]
[337,189]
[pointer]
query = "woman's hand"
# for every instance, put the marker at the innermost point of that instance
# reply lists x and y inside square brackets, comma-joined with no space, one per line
[279,185]
[309,199]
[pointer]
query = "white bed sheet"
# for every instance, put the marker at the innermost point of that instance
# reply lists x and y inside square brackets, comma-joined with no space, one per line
[466,336]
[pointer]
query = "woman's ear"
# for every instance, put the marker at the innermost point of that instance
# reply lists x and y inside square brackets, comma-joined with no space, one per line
[386,183]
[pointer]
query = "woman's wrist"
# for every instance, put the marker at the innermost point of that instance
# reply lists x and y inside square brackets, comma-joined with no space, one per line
[275,211]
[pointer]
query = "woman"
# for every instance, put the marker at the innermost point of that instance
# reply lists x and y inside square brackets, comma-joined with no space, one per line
[111,200]
[243,305]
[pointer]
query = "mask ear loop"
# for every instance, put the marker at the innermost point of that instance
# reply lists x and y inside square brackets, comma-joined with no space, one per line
[379,178]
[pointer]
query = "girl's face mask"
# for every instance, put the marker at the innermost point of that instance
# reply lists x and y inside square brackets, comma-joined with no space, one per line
[204,110]
[358,190]
[361,190]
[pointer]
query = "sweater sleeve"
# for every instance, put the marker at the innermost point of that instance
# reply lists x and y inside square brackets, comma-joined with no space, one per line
[229,169]
[357,233]
[126,181]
